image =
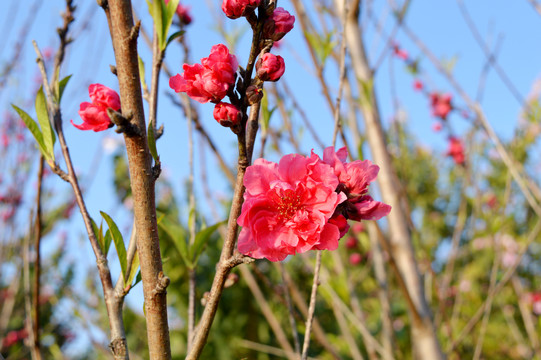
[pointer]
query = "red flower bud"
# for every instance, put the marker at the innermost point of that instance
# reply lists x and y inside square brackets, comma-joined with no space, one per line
[234,9]
[270,67]
[280,23]
[351,243]
[355,259]
[254,94]
[227,114]
[94,114]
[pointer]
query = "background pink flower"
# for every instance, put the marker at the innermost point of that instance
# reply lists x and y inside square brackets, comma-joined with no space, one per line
[287,207]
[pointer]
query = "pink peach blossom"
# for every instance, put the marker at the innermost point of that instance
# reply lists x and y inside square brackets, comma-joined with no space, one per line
[287,207]
[441,105]
[456,150]
[94,114]
[355,177]
[210,80]
[234,9]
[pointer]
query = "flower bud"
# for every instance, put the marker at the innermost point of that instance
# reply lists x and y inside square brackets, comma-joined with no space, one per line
[234,9]
[355,259]
[270,67]
[227,114]
[279,24]
[254,94]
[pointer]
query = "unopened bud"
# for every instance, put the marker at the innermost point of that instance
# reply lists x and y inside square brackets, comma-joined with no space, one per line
[254,94]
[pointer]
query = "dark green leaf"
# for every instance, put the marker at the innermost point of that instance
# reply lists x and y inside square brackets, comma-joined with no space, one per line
[119,243]
[174,36]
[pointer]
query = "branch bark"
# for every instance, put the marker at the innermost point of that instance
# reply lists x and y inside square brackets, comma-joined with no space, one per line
[124,35]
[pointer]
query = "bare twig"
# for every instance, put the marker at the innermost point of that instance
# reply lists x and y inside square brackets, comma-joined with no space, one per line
[290,310]
[37,262]
[273,322]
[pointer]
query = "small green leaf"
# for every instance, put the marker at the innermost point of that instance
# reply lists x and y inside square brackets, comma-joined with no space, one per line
[168,13]
[107,239]
[152,143]
[174,36]
[61,86]
[34,129]
[201,240]
[142,72]
[46,129]
[119,243]
[98,233]
[177,235]
[133,270]
[137,279]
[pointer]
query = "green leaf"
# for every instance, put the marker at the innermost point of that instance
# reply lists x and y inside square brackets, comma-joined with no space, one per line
[61,86]
[34,129]
[107,242]
[169,12]
[163,18]
[174,36]
[98,233]
[119,243]
[152,143]
[46,129]
[137,279]
[201,240]
[265,112]
[177,235]
[142,72]
[133,270]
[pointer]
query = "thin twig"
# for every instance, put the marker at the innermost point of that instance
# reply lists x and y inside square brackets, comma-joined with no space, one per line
[273,322]
[488,308]
[311,307]
[290,313]
[37,263]
[497,288]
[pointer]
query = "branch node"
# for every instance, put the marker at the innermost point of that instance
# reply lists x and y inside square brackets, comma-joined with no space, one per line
[123,123]
[103,4]
[113,70]
[156,170]
[118,347]
[161,284]
[134,33]
[159,132]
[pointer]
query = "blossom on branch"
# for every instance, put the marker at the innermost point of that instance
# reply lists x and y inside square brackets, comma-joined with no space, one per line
[456,150]
[227,114]
[270,67]
[278,24]
[210,80]
[441,105]
[94,114]
[234,9]
[303,203]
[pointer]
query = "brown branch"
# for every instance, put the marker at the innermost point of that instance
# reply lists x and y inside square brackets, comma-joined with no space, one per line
[124,36]
[113,303]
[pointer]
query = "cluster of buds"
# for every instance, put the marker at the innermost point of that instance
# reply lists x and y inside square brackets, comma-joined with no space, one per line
[215,77]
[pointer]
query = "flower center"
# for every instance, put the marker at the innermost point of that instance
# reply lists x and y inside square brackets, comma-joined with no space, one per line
[287,202]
